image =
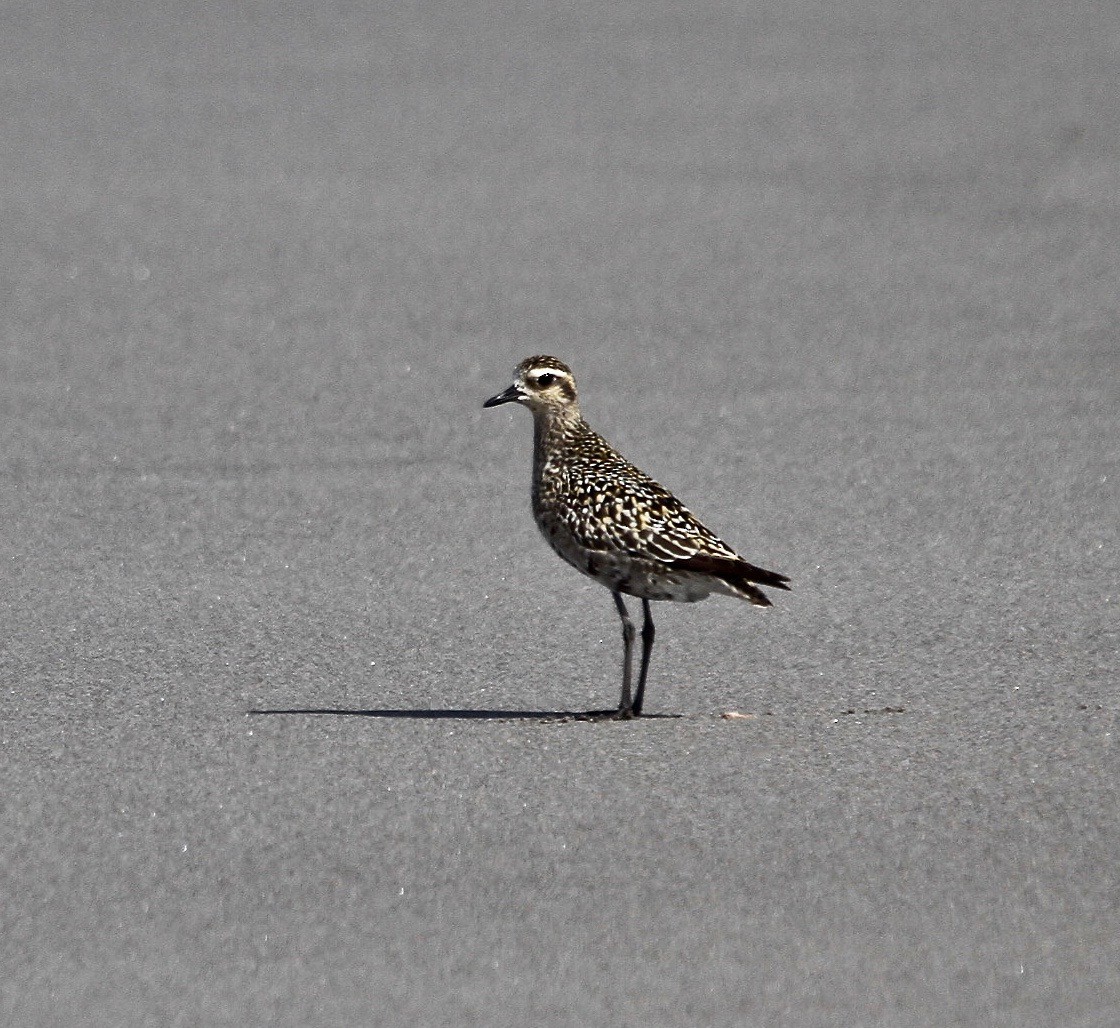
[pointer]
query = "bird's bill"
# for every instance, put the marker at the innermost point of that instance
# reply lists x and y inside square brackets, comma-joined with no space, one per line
[510,395]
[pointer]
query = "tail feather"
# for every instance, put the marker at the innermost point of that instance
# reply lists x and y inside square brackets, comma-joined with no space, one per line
[737,574]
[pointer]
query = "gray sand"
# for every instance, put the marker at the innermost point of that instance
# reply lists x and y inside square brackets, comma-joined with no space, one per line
[843,276]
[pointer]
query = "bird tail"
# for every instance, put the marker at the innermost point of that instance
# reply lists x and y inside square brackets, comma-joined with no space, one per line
[740,577]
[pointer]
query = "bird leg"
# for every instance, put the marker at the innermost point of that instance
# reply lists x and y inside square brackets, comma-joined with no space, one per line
[647,649]
[625,704]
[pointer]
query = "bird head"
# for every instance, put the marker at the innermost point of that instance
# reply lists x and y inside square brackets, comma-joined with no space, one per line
[543,384]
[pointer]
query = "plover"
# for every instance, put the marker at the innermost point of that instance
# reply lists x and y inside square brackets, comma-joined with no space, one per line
[615,523]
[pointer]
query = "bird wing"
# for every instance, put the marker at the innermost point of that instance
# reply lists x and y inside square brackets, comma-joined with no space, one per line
[611,506]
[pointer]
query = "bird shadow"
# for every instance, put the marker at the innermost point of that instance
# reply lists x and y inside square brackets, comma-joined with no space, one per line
[542,716]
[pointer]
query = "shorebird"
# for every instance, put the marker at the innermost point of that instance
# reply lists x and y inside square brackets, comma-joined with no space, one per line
[615,523]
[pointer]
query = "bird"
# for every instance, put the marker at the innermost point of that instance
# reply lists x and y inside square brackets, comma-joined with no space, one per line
[617,525]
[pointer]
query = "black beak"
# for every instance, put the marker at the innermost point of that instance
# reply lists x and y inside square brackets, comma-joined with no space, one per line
[511,395]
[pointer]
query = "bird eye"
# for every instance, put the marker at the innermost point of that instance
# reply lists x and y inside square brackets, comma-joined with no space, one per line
[545,380]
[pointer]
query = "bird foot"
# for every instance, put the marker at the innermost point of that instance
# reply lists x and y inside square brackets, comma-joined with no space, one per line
[605,715]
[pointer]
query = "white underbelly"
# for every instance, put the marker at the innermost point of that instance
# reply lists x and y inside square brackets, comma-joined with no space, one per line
[647,579]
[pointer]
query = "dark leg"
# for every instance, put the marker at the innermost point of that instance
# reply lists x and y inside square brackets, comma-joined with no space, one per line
[647,649]
[625,705]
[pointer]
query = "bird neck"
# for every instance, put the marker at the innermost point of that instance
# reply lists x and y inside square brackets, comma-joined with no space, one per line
[552,427]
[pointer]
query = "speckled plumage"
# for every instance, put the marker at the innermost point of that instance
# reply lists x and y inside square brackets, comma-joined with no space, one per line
[613,522]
